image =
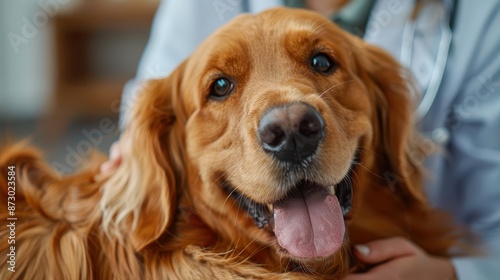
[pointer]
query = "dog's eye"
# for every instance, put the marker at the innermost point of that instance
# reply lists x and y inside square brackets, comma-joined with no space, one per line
[322,63]
[221,88]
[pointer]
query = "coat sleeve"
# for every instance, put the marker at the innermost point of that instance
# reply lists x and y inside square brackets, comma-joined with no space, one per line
[475,152]
[473,166]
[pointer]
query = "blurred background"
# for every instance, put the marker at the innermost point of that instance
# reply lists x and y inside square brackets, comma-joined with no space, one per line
[63,65]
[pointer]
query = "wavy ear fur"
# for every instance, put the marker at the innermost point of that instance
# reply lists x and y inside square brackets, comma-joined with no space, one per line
[401,208]
[139,200]
[394,130]
[59,231]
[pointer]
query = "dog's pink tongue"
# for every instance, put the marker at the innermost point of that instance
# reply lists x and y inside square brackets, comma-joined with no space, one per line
[309,224]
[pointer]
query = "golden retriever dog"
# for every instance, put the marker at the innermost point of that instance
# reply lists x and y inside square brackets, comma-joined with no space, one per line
[278,145]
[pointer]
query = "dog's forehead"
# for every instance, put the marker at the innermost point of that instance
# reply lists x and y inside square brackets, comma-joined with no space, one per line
[251,38]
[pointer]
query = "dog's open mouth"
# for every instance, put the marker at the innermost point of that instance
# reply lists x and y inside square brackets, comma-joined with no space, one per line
[309,221]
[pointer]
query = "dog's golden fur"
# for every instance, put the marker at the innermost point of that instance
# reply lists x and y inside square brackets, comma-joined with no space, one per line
[162,214]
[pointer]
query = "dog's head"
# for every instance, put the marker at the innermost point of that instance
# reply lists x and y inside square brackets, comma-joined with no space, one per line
[272,130]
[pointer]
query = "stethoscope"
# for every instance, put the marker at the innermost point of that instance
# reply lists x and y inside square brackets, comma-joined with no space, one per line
[446,27]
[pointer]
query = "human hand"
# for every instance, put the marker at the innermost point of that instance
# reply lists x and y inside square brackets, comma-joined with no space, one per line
[115,159]
[399,258]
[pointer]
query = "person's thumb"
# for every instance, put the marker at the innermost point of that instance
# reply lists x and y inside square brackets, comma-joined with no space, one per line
[115,158]
[384,249]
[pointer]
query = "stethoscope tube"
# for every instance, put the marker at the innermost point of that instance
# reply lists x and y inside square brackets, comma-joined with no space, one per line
[442,58]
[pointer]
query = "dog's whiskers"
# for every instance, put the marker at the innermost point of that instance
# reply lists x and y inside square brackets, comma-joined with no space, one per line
[318,26]
[234,189]
[334,86]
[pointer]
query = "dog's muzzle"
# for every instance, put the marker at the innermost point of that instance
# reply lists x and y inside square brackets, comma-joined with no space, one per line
[291,132]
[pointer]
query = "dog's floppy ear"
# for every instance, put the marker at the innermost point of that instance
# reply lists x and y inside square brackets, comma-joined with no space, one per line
[139,200]
[394,133]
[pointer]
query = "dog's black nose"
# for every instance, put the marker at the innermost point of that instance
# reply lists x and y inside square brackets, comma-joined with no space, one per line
[291,132]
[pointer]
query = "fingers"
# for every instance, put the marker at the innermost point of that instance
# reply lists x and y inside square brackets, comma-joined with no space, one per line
[115,158]
[385,249]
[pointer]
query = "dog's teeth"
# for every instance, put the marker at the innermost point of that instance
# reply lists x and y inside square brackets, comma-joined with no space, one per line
[331,190]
